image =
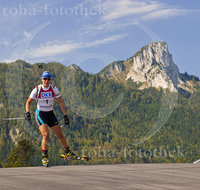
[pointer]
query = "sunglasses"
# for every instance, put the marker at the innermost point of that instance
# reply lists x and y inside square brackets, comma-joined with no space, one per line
[46,79]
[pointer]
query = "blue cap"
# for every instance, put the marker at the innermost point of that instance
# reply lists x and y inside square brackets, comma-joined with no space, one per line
[46,74]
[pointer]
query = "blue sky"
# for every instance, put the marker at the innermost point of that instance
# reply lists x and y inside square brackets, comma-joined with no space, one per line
[93,33]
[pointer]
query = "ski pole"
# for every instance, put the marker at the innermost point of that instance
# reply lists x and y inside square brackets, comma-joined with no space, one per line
[62,123]
[17,118]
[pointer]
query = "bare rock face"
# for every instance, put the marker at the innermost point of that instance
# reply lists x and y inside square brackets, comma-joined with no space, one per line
[113,69]
[15,134]
[154,65]
[74,67]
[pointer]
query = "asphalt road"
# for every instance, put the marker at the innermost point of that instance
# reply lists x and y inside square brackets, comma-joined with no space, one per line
[128,176]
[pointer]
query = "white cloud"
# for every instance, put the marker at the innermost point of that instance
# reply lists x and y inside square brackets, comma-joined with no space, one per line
[104,27]
[117,10]
[5,42]
[121,14]
[8,60]
[55,48]
[122,8]
[27,34]
[47,49]
[104,41]
[165,13]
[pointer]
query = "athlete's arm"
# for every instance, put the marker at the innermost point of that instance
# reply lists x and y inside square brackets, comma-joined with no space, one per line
[61,104]
[28,103]
[30,99]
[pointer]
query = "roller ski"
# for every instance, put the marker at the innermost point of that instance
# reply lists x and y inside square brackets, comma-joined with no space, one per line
[71,156]
[45,160]
[82,158]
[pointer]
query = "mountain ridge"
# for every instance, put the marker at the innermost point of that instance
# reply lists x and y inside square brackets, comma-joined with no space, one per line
[152,66]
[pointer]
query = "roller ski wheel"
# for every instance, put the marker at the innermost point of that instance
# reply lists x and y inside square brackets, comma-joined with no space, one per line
[82,158]
[45,162]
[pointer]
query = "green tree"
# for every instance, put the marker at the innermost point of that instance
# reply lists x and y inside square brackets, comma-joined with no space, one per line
[20,156]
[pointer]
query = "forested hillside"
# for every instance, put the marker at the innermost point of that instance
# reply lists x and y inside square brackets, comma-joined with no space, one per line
[109,121]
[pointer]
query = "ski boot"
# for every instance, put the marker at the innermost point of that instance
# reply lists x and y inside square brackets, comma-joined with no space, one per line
[69,156]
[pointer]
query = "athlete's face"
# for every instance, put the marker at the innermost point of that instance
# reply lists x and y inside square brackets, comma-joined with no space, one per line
[46,82]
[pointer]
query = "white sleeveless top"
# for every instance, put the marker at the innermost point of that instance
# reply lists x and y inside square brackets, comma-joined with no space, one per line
[46,97]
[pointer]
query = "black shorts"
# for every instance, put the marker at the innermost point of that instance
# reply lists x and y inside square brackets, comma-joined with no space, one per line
[48,118]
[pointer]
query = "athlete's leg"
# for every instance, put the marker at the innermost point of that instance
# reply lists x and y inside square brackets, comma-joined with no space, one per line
[45,134]
[58,132]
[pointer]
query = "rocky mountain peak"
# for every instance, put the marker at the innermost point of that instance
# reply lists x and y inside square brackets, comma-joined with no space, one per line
[151,66]
[154,66]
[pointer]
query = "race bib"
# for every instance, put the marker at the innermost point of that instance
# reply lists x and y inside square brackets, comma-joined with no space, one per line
[46,94]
